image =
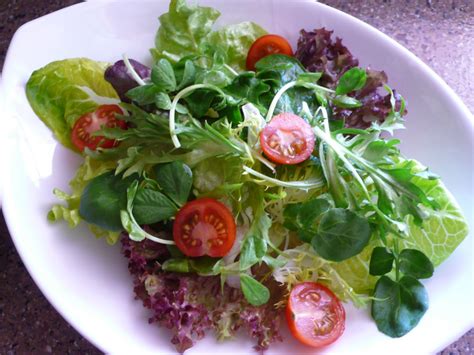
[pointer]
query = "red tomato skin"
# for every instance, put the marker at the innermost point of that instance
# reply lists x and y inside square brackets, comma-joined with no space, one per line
[266,45]
[205,227]
[90,122]
[286,124]
[337,312]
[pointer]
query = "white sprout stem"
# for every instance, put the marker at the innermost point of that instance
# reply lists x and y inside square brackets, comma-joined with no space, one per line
[329,141]
[319,87]
[132,71]
[158,240]
[305,185]
[321,151]
[287,241]
[142,231]
[305,109]
[339,150]
[172,120]
[229,68]
[317,110]
[277,97]
[382,175]
[326,137]
[326,121]
[343,149]
[285,88]
[322,158]
[266,162]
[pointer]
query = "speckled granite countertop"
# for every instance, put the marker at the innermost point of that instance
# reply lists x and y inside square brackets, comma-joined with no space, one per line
[440,32]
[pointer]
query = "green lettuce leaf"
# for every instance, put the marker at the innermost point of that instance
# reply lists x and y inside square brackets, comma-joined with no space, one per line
[186,30]
[236,40]
[182,30]
[69,211]
[443,230]
[217,176]
[64,90]
[438,236]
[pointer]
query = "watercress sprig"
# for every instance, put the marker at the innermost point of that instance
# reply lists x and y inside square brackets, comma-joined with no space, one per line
[400,301]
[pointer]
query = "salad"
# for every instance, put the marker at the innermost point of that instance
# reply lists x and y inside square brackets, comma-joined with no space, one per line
[250,183]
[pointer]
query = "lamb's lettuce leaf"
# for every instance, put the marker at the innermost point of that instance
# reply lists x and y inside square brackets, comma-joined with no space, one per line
[62,91]
[69,211]
[103,198]
[272,73]
[186,30]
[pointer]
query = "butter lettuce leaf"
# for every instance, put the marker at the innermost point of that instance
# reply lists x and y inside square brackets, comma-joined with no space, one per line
[186,30]
[437,237]
[217,176]
[236,40]
[443,230]
[62,91]
[69,209]
[182,30]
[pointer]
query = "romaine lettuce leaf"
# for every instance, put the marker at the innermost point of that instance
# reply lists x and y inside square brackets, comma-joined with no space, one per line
[64,90]
[438,236]
[186,30]
[70,210]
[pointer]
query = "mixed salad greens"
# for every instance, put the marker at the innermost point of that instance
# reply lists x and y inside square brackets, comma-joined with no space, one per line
[242,179]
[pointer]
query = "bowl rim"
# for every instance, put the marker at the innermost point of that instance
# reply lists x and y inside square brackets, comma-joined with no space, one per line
[8,209]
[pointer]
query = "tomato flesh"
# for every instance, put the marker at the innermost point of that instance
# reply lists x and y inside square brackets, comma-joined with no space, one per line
[91,122]
[204,227]
[287,139]
[266,45]
[314,314]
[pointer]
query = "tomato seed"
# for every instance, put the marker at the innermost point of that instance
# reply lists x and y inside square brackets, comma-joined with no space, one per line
[273,144]
[194,242]
[325,325]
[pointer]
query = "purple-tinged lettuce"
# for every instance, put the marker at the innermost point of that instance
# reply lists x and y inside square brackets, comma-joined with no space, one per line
[189,305]
[318,52]
[121,80]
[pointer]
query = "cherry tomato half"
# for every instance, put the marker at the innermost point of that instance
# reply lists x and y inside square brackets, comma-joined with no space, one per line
[287,139]
[266,45]
[91,122]
[314,314]
[204,227]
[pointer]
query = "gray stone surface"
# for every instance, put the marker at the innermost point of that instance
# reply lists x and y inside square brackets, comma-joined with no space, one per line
[441,33]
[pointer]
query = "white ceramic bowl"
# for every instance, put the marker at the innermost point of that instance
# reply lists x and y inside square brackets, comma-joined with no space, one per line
[88,282]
